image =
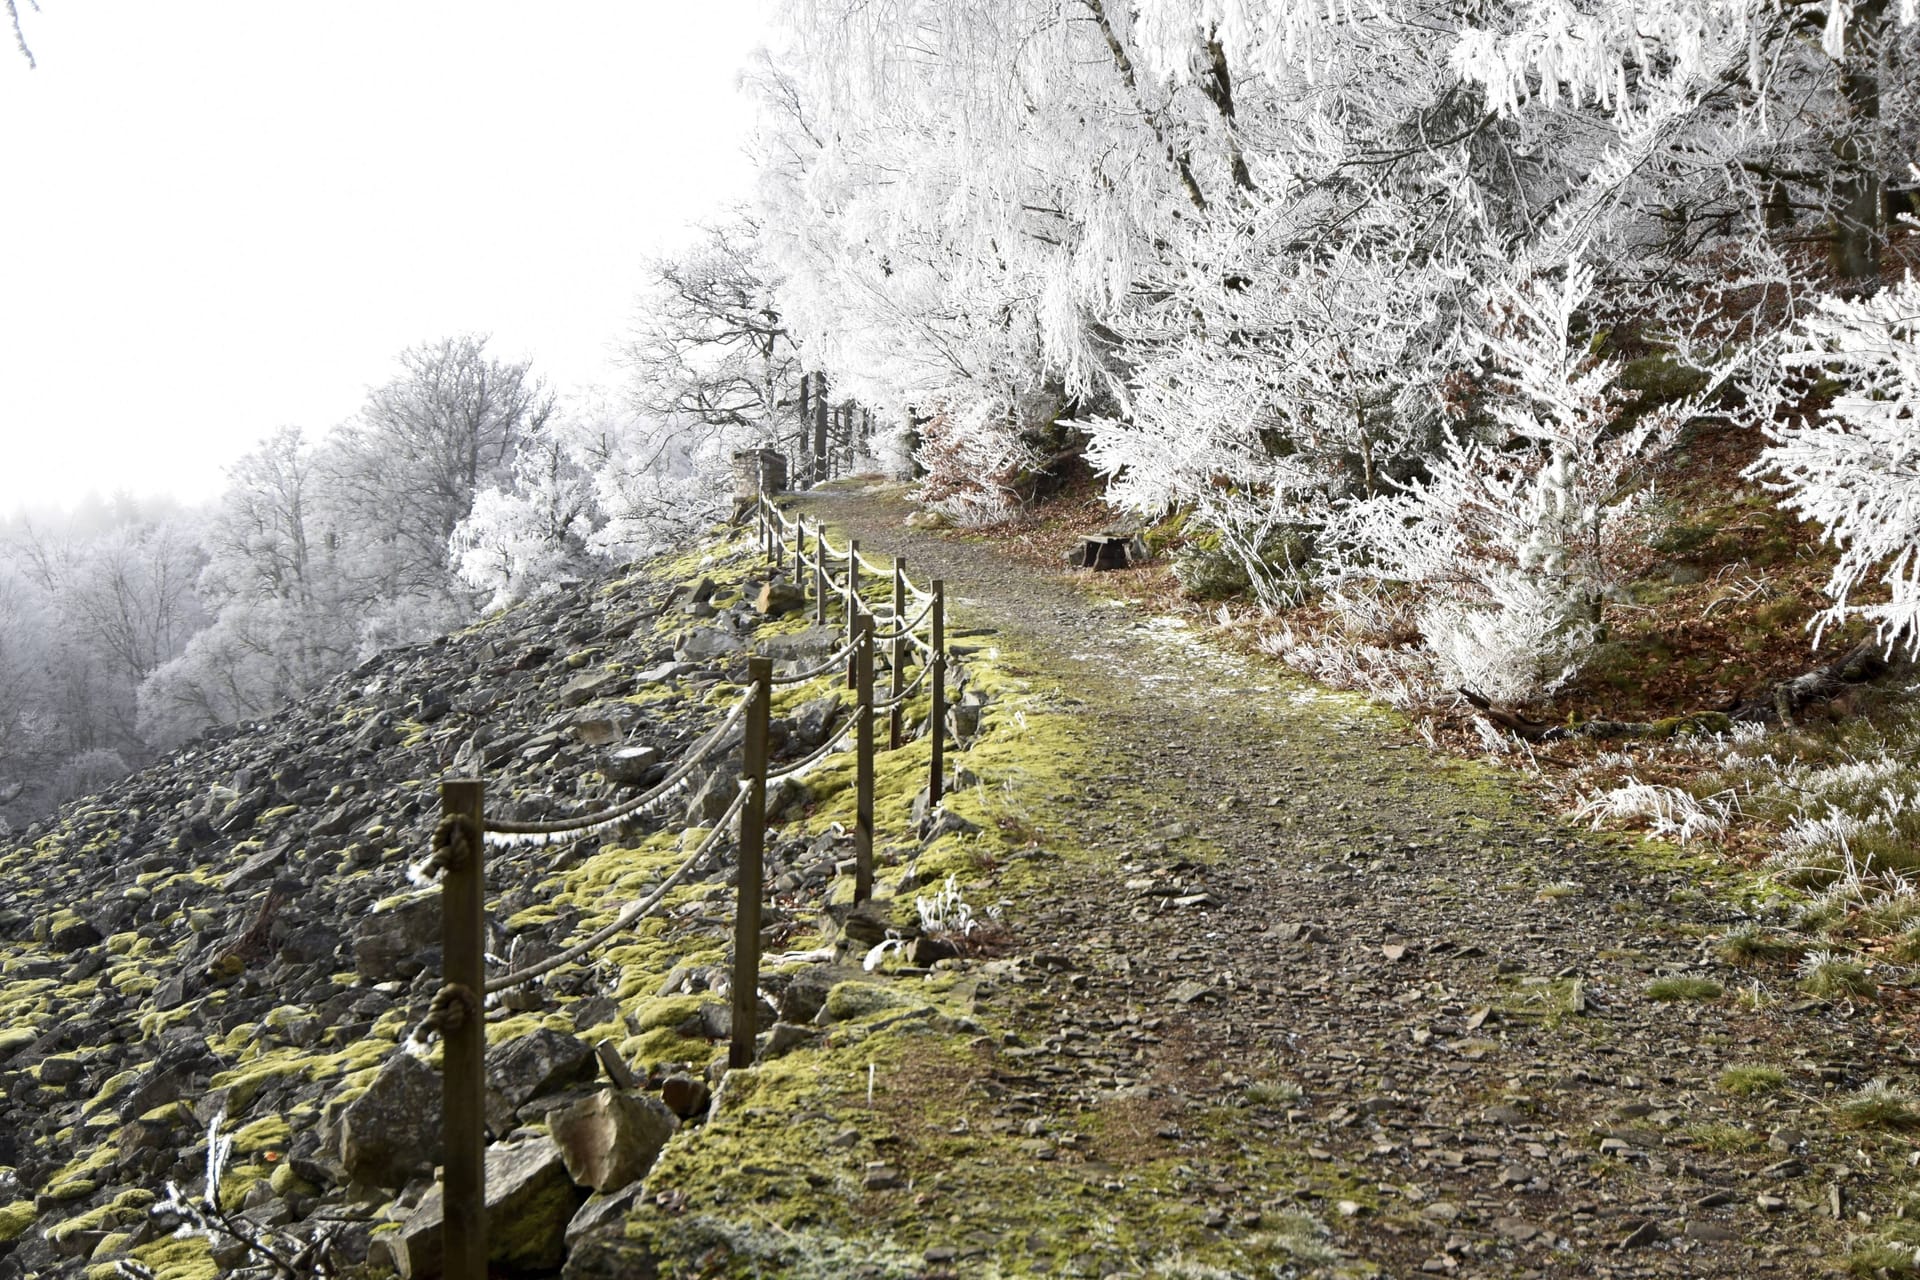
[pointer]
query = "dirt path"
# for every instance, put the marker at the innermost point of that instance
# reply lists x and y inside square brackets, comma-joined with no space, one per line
[1342,978]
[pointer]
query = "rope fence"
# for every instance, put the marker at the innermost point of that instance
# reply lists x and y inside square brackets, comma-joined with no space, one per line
[906,623]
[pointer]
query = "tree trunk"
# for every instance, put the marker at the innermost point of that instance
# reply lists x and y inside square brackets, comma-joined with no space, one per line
[819,427]
[1860,220]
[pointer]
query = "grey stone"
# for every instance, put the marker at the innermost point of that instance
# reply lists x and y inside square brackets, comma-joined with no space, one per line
[611,1138]
[589,687]
[629,766]
[387,945]
[392,1131]
[260,866]
[537,1063]
[73,934]
[714,797]
[810,645]
[602,1211]
[709,642]
[784,1038]
[530,1201]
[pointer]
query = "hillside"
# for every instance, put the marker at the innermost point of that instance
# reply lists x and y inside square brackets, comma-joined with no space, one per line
[1258,985]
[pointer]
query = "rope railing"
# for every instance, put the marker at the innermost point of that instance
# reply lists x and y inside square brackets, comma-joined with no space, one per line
[831,664]
[906,694]
[632,913]
[906,628]
[507,831]
[466,832]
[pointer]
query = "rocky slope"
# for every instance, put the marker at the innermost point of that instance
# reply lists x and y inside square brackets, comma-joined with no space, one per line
[231,937]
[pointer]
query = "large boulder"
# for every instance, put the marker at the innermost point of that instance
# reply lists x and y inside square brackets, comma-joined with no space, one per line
[391,945]
[611,1138]
[710,642]
[530,1201]
[536,1063]
[392,1131]
[778,598]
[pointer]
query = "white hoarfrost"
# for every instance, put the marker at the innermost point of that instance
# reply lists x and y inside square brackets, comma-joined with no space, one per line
[1856,471]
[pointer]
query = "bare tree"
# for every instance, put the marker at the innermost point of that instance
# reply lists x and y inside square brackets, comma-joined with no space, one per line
[710,345]
[19,33]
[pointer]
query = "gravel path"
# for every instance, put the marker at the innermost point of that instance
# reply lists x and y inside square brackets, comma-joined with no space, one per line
[1404,980]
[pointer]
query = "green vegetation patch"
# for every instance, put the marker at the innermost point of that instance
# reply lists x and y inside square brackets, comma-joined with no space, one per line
[1747,1081]
[1683,988]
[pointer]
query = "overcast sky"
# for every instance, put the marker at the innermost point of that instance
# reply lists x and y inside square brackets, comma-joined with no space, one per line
[221,217]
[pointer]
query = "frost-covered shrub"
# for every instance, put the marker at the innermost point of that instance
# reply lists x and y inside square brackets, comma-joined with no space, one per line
[1856,471]
[973,454]
[1506,551]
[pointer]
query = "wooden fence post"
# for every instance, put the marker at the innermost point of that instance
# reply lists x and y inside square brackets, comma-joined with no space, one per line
[897,656]
[819,575]
[463,1104]
[749,873]
[853,606]
[938,675]
[863,761]
[799,549]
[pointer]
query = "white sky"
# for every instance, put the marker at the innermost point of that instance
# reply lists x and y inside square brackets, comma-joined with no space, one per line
[218,217]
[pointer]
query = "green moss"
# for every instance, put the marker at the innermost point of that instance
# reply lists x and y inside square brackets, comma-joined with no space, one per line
[286,1182]
[128,1207]
[265,1134]
[111,1245]
[15,1218]
[172,1259]
[850,1001]
[81,1170]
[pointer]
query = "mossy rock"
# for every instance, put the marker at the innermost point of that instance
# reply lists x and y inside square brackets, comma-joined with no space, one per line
[1698,723]
[848,1001]
[1209,575]
[15,1219]
[285,1182]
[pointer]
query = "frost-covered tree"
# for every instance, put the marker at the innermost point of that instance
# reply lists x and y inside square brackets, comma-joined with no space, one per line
[91,601]
[1856,470]
[286,615]
[519,538]
[709,343]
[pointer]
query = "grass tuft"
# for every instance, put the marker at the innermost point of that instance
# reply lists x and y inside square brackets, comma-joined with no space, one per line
[1830,975]
[1273,1093]
[1684,989]
[1878,1106]
[1750,946]
[1748,1081]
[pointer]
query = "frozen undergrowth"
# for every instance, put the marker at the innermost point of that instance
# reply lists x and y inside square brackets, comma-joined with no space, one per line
[1835,812]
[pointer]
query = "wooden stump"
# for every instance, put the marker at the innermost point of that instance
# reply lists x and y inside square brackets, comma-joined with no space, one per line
[1103,551]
